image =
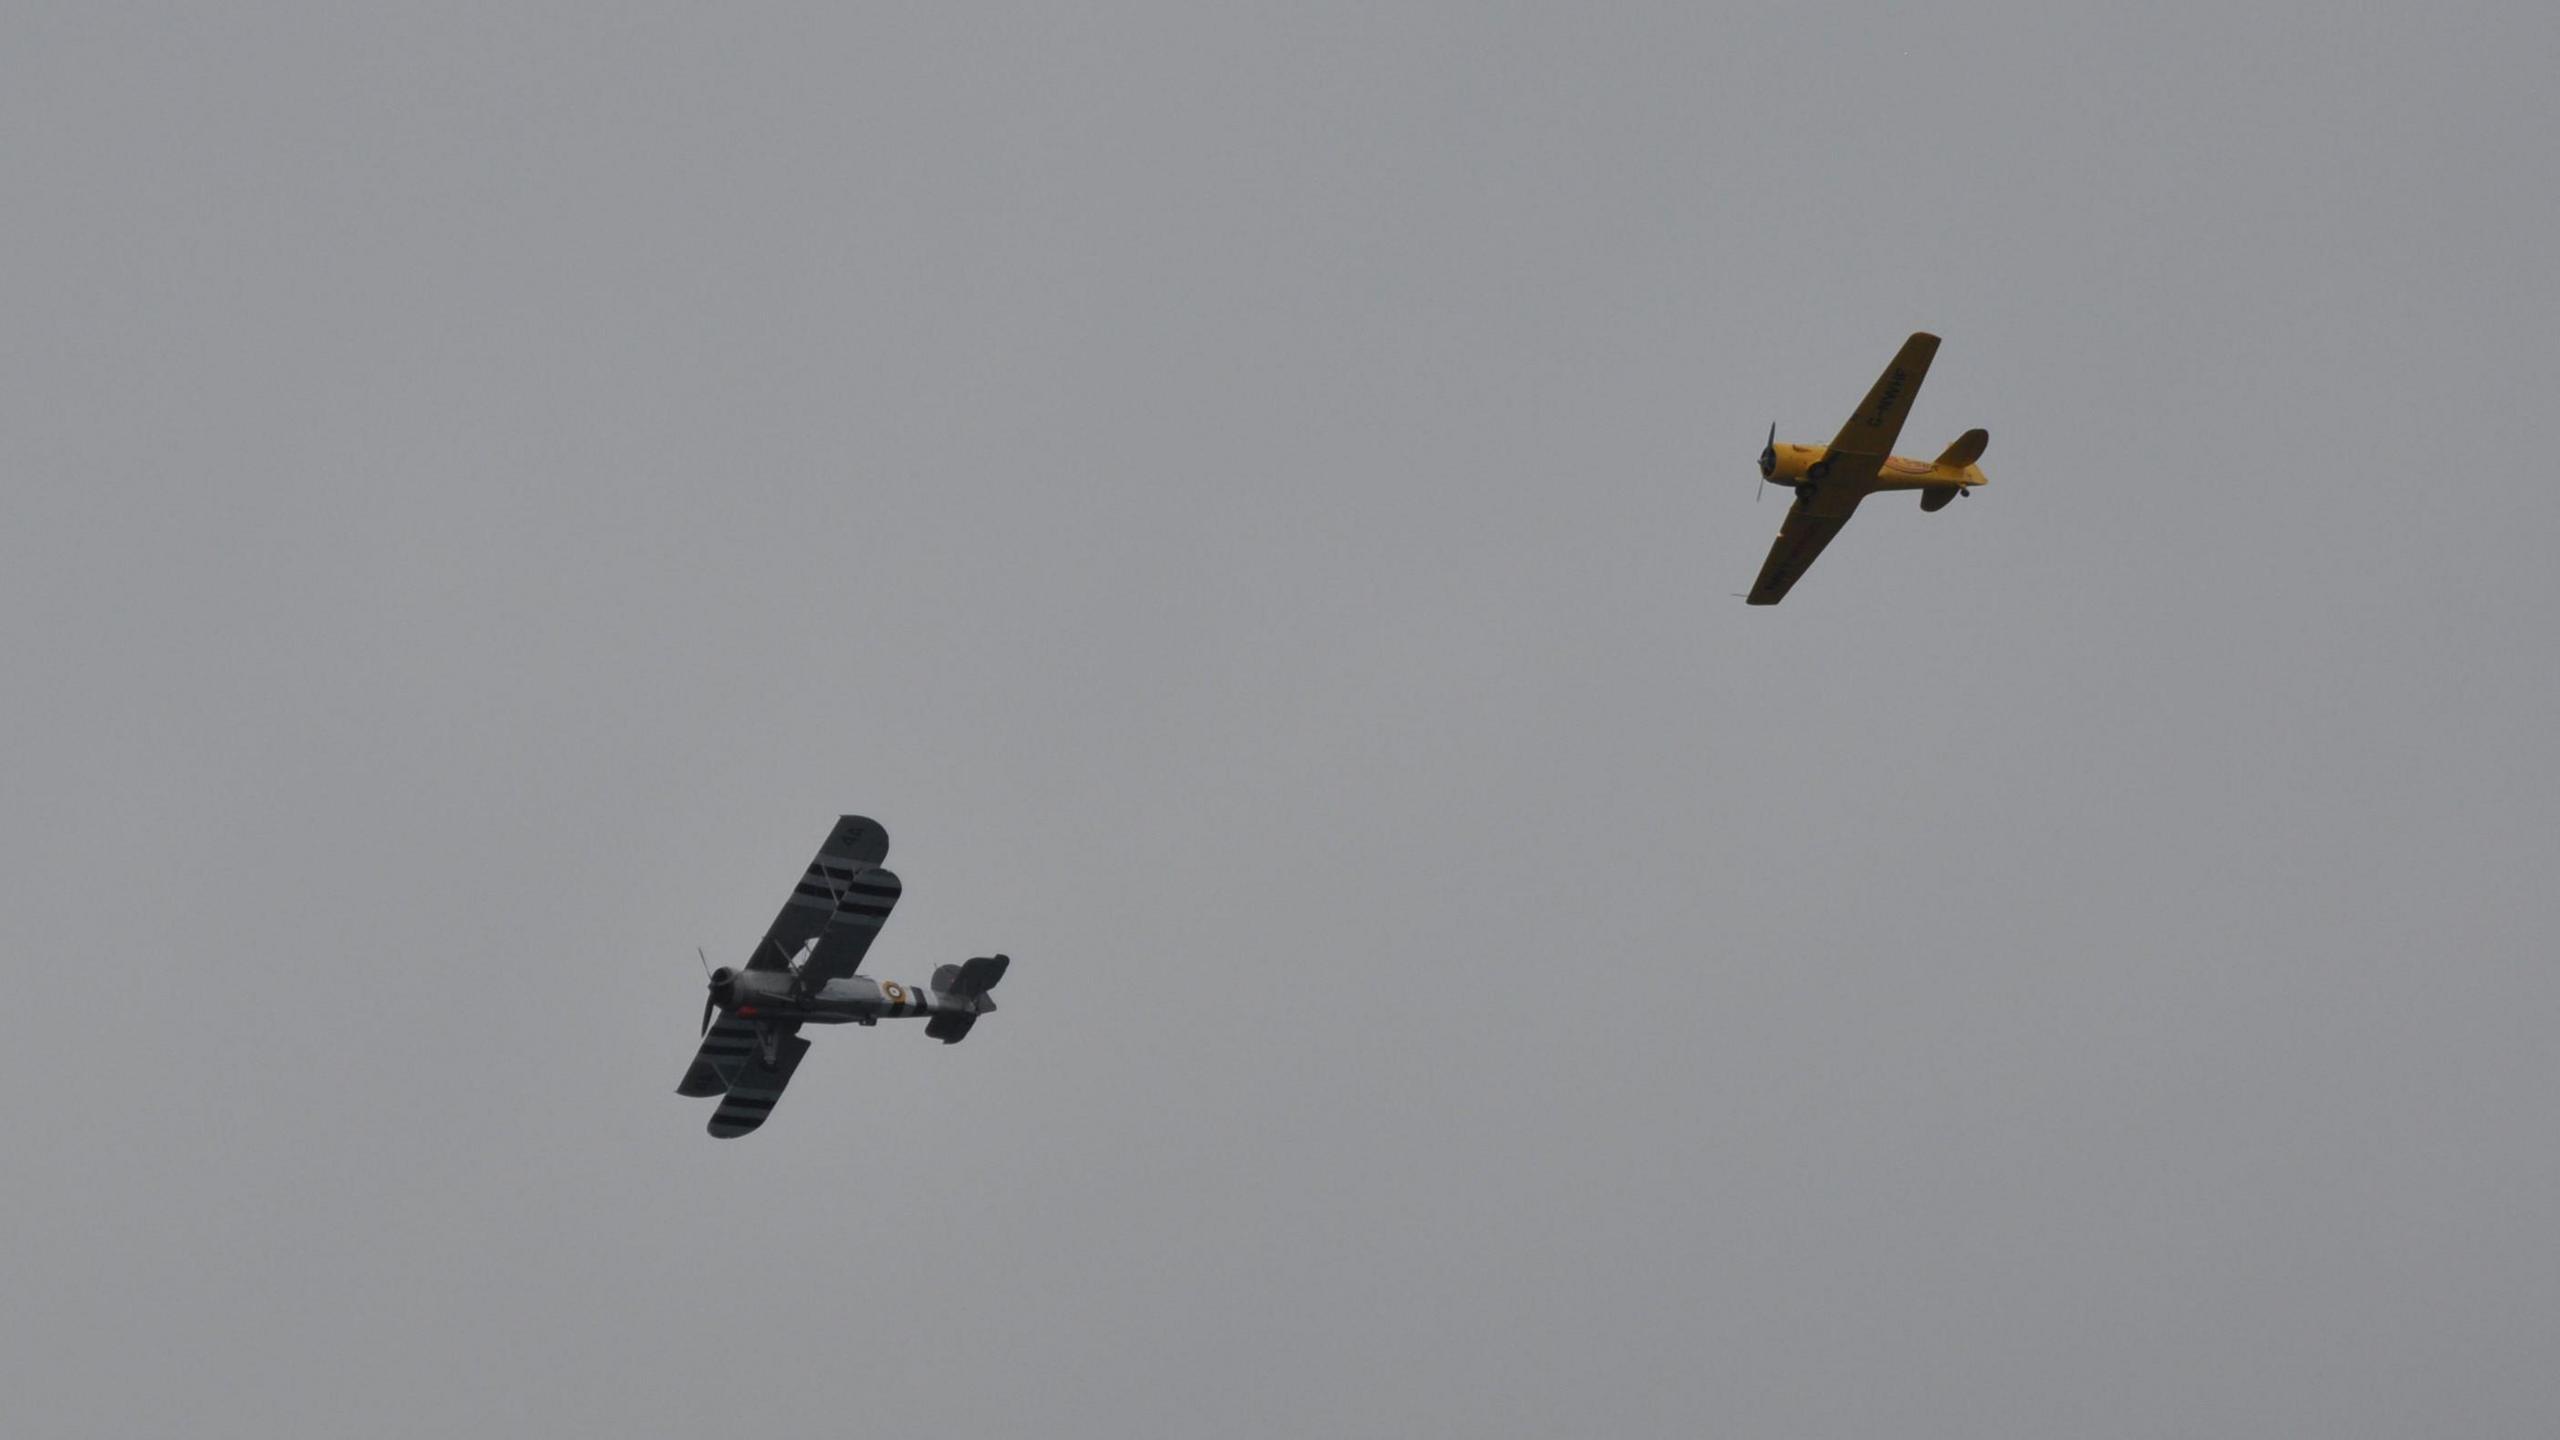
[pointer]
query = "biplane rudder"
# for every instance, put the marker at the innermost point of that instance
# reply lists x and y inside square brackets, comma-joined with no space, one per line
[969,984]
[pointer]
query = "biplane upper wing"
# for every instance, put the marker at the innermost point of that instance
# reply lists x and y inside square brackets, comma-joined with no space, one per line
[1868,437]
[855,846]
[1808,527]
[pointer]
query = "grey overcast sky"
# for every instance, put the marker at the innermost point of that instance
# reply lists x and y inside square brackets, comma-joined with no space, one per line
[1252,496]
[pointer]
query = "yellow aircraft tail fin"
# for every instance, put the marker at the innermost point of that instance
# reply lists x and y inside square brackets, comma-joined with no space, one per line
[1967,449]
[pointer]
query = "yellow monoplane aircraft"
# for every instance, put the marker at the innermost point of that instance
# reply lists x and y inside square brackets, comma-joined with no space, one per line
[1830,480]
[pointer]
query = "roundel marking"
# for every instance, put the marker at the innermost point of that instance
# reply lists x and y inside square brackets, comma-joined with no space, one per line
[896,992]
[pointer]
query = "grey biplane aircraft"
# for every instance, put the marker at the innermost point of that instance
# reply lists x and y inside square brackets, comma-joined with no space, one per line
[1830,480]
[802,973]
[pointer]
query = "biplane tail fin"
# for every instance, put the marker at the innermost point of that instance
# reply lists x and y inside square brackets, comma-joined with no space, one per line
[968,983]
[980,975]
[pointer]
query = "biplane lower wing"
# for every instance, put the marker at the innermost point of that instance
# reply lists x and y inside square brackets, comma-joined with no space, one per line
[862,907]
[1808,528]
[754,1086]
[725,1048]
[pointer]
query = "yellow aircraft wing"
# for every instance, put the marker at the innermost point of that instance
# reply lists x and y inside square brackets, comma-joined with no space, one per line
[1840,479]
[1808,528]
[1868,437]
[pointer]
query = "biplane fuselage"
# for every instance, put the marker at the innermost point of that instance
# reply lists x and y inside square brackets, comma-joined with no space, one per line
[773,997]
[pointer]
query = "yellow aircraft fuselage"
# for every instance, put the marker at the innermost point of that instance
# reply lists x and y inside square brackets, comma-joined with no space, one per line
[1803,465]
